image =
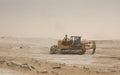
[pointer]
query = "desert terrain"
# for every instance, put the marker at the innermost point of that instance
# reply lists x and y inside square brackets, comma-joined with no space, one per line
[30,56]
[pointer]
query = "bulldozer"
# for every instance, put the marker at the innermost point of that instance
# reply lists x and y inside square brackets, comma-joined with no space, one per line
[73,45]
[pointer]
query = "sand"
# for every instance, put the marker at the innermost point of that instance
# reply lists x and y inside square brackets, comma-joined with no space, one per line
[30,56]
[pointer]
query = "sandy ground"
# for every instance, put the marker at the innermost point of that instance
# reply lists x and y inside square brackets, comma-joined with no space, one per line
[22,56]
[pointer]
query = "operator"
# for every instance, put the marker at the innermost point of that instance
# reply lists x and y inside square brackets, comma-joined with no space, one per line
[94,47]
[65,38]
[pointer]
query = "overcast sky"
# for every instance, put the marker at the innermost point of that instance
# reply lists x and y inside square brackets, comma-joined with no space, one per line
[92,19]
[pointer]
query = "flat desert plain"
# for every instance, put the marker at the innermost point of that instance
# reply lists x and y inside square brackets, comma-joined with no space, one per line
[30,56]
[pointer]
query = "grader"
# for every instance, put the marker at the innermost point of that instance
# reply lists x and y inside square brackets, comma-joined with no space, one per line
[73,45]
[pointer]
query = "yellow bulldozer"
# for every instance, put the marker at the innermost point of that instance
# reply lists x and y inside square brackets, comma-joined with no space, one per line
[73,45]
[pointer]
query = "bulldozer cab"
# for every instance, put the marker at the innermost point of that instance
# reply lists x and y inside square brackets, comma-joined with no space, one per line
[76,40]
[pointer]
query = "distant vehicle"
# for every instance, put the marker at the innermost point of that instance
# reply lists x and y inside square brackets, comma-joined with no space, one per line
[73,45]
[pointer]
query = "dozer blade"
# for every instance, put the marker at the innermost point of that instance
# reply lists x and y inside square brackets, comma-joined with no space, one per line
[54,49]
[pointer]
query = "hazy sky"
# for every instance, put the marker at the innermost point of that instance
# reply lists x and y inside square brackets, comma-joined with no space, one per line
[93,19]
